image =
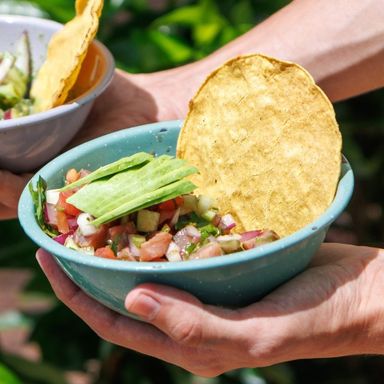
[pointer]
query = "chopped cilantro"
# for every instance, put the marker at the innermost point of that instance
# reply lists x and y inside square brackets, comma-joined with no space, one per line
[38,198]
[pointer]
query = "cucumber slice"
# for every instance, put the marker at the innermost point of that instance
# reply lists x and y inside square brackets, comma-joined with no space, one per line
[147,221]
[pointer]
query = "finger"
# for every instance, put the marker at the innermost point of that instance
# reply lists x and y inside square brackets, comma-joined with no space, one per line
[185,319]
[106,323]
[11,187]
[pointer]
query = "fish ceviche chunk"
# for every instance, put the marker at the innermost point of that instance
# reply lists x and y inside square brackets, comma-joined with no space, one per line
[182,227]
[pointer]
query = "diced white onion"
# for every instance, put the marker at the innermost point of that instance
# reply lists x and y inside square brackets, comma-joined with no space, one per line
[204,203]
[224,238]
[175,217]
[173,252]
[193,232]
[229,243]
[86,228]
[52,196]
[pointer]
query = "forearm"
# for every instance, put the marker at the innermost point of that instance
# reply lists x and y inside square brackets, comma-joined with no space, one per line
[340,42]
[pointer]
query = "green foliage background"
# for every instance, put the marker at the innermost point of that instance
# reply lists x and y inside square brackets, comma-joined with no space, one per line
[149,35]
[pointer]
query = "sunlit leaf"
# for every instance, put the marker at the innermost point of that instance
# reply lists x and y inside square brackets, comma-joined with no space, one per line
[206,33]
[187,16]
[172,47]
[59,10]
[36,372]
[7,377]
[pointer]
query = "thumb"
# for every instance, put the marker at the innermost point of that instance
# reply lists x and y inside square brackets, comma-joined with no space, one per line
[184,318]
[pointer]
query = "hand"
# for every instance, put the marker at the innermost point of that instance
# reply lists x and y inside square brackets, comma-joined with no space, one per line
[11,187]
[130,100]
[333,308]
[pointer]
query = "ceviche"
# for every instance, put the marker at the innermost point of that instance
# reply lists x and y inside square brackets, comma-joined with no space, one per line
[139,208]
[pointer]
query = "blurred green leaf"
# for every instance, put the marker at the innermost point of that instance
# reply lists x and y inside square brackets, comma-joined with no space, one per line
[242,13]
[7,377]
[187,16]
[16,249]
[34,372]
[172,47]
[59,10]
[206,33]
[71,352]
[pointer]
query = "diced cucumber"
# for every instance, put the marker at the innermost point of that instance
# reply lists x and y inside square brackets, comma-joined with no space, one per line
[166,228]
[189,204]
[137,240]
[204,203]
[209,215]
[229,243]
[147,221]
[71,244]
[13,88]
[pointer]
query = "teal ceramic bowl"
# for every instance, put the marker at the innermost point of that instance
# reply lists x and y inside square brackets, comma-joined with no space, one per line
[233,280]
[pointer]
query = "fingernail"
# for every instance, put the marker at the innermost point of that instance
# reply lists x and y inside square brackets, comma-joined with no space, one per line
[144,306]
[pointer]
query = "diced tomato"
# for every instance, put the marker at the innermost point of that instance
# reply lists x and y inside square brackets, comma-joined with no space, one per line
[98,239]
[105,252]
[118,235]
[62,221]
[166,215]
[118,230]
[209,250]
[156,247]
[71,210]
[63,205]
[126,254]
[179,200]
[168,205]
[72,175]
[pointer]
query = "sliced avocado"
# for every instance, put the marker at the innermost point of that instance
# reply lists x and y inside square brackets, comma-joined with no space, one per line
[6,62]
[15,73]
[22,108]
[111,169]
[131,190]
[145,200]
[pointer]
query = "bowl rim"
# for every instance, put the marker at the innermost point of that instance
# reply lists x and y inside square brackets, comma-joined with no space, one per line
[74,104]
[27,219]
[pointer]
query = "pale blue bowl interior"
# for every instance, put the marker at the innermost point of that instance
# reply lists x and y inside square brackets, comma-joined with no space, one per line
[233,280]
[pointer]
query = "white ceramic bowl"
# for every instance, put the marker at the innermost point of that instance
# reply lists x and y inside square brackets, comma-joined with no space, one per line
[30,141]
